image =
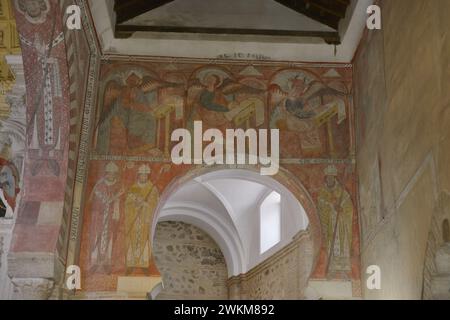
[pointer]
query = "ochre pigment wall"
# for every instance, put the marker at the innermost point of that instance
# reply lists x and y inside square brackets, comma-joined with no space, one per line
[140,103]
[190,262]
[402,98]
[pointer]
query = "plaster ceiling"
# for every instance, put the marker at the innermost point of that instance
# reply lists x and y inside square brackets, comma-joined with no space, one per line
[225,17]
[250,14]
[169,32]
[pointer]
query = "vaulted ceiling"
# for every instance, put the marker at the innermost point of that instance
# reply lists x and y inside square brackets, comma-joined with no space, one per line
[225,204]
[291,18]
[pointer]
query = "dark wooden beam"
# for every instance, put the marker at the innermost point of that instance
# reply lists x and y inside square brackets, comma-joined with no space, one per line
[129,9]
[126,31]
[328,12]
[333,7]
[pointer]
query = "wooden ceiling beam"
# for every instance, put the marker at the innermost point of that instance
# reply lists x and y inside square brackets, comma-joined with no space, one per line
[322,11]
[336,8]
[129,9]
[327,12]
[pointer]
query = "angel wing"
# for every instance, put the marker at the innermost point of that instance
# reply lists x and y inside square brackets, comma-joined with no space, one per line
[231,87]
[320,89]
[195,87]
[151,83]
[112,93]
[195,84]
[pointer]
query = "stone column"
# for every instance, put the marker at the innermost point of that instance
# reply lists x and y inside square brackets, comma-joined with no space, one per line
[25,282]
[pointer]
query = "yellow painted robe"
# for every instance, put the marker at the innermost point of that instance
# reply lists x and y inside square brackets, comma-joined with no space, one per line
[140,204]
[330,202]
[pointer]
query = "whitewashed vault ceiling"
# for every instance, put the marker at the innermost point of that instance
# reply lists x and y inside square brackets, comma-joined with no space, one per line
[225,204]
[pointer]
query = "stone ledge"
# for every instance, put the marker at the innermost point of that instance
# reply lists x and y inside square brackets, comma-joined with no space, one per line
[247,286]
[32,288]
[137,285]
[31,265]
[297,240]
[329,290]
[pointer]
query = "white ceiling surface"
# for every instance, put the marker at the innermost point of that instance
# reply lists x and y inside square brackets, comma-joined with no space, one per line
[248,14]
[225,204]
[211,47]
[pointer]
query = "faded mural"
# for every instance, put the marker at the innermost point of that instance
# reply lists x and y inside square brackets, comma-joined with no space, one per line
[46,68]
[141,103]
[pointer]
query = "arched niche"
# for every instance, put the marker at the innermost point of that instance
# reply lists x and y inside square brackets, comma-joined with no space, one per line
[215,224]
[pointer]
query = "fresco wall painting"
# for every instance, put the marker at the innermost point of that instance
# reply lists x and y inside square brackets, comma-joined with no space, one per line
[141,102]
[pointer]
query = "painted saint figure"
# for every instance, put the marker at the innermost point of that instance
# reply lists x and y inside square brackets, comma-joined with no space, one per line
[336,215]
[304,103]
[127,122]
[218,99]
[141,200]
[46,126]
[105,216]
[35,10]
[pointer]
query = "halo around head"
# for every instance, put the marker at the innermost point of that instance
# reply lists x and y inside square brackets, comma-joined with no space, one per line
[205,73]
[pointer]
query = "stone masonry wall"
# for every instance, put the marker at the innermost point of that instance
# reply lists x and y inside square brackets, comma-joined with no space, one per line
[402,98]
[283,276]
[191,263]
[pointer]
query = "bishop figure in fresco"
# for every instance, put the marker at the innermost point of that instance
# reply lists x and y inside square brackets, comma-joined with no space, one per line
[105,217]
[141,201]
[336,216]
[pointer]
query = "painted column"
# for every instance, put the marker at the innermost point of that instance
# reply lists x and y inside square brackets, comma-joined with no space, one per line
[33,264]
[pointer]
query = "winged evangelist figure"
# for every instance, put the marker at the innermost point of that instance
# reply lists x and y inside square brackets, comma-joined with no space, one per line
[127,121]
[218,100]
[303,104]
